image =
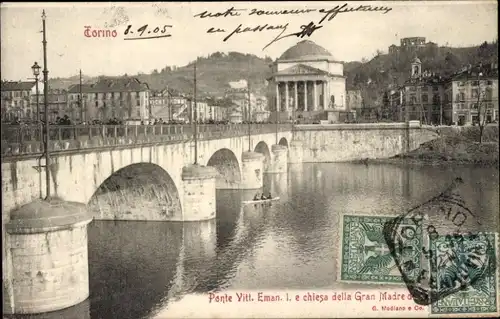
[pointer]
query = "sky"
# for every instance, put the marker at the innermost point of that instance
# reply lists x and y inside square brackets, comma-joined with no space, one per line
[349,36]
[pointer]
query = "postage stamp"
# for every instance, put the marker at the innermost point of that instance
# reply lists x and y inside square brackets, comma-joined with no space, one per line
[441,219]
[473,256]
[365,255]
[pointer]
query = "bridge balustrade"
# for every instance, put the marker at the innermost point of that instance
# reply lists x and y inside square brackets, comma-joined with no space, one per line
[28,139]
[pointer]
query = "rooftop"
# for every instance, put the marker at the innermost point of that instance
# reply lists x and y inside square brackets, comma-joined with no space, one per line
[304,50]
[108,85]
[17,86]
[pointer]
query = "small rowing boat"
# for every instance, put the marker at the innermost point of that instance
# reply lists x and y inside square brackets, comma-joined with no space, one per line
[246,202]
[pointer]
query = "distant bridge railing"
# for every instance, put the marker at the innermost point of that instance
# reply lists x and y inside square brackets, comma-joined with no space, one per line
[28,139]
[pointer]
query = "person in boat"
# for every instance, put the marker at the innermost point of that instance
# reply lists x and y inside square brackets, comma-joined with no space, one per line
[263,197]
[269,196]
[257,197]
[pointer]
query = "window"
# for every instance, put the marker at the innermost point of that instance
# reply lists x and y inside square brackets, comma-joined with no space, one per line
[475,93]
[96,103]
[489,82]
[474,106]
[138,102]
[489,94]
[139,113]
[436,99]
[435,88]
[425,98]
[462,96]
[97,95]
[413,99]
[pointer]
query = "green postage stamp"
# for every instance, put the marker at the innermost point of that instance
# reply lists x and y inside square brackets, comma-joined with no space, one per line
[475,255]
[365,256]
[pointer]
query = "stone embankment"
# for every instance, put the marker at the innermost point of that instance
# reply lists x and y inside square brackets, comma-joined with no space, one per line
[455,145]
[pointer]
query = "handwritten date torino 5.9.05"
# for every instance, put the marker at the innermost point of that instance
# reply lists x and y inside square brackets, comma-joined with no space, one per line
[146,32]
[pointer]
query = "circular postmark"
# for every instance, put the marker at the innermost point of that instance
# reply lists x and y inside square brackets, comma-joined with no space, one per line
[453,253]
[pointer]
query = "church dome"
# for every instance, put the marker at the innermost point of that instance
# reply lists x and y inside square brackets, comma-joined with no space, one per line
[305,49]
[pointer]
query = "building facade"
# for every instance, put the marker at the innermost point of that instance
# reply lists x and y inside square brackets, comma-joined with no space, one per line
[57,106]
[16,97]
[306,78]
[467,97]
[160,107]
[423,96]
[412,43]
[471,95]
[123,98]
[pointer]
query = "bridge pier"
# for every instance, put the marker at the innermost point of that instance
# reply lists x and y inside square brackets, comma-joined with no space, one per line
[279,159]
[252,166]
[296,152]
[199,192]
[46,257]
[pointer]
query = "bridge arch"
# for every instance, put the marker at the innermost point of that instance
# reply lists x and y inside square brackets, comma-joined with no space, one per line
[228,167]
[283,142]
[262,148]
[140,191]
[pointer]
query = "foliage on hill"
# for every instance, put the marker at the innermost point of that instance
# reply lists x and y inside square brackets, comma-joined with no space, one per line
[215,71]
[213,74]
[374,77]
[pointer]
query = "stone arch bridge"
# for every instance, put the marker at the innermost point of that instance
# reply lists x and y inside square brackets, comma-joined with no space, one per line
[116,178]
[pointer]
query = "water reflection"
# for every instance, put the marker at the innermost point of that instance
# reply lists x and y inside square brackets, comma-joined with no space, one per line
[79,311]
[131,266]
[277,185]
[139,270]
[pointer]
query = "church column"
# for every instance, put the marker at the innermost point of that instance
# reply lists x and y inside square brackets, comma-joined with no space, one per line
[325,96]
[305,95]
[277,96]
[296,99]
[287,96]
[315,100]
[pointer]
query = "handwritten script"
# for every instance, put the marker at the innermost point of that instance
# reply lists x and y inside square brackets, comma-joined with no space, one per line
[305,30]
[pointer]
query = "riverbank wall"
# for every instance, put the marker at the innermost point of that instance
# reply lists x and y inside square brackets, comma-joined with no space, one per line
[348,142]
[457,145]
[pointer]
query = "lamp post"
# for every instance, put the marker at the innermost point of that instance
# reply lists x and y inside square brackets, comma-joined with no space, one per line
[249,115]
[195,120]
[46,108]
[36,73]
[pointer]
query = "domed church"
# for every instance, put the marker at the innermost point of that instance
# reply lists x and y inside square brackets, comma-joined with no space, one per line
[308,79]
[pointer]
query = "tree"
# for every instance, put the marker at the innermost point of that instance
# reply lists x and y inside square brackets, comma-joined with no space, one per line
[482,108]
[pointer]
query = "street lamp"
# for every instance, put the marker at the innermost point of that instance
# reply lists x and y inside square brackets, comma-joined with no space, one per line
[45,102]
[36,72]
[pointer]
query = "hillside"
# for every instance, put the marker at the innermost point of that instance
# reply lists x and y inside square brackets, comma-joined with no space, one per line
[373,77]
[214,72]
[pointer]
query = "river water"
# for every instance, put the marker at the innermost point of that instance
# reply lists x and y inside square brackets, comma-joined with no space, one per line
[141,269]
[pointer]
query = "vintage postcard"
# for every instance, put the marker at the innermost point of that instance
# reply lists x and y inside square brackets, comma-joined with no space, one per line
[250,159]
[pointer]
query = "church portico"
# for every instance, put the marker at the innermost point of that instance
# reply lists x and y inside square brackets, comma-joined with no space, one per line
[301,95]
[306,79]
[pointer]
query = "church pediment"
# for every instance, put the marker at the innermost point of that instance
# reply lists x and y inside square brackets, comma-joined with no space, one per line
[301,69]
